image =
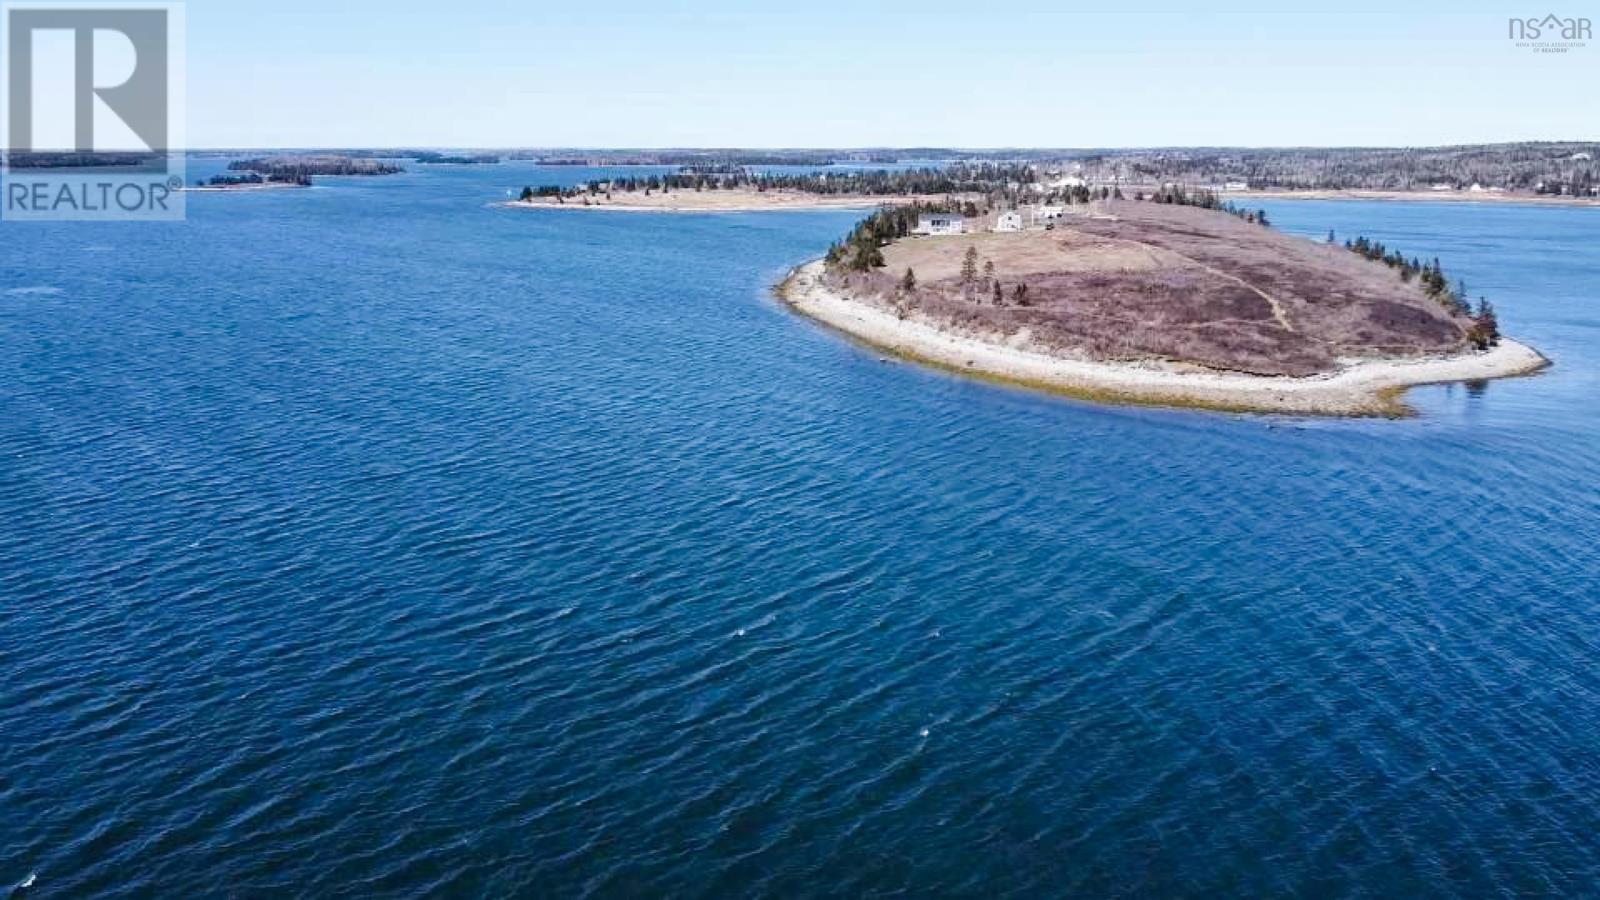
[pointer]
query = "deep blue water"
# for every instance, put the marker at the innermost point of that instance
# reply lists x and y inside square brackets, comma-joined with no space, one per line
[369,540]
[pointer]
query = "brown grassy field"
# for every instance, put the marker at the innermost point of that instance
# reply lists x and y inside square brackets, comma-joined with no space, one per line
[1147,281]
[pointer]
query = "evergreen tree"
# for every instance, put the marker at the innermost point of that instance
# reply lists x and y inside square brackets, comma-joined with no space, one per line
[969,266]
[1485,330]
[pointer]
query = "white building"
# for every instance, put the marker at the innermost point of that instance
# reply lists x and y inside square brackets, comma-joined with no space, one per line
[941,223]
[1048,213]
[1011,220]
[1236,186]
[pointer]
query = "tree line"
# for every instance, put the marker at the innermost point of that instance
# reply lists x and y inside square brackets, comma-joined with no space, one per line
[295,166]
[1179,195]
[1484,332]
[1002,182]
[862,249]
[1557,167]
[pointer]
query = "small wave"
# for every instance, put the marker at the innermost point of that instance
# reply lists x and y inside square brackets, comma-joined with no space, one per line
[27,291]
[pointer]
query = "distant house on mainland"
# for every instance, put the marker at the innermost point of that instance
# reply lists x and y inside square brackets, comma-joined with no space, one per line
[1011,220]
[1236,186]
[941,223]
[1048,213]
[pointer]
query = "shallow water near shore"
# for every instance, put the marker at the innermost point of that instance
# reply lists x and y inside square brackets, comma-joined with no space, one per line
[371,539]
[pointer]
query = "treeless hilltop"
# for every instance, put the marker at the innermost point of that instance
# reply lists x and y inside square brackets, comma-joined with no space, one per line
[1131,280]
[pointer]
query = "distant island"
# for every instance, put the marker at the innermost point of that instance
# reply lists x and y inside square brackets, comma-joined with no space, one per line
[444,159]
[252,181]
[298,166]
[739,188]
[86,160]
[1174,298]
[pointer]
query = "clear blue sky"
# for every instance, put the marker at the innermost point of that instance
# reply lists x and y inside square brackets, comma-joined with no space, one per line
[825,74]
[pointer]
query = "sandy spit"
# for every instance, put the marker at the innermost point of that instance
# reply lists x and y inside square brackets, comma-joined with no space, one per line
[720,201]
[242,188]
[1362,388]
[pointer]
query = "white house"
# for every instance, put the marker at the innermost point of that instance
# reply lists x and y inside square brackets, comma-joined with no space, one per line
[1011,220]
[1236,186]
[941,223]
[1048,213]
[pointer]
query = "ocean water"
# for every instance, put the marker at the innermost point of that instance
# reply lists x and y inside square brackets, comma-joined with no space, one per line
[373,541]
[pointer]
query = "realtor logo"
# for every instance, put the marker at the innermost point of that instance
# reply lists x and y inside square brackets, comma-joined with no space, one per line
[1550,33]
[93,118]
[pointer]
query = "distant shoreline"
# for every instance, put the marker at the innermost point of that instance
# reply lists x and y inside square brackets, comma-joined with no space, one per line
[1433,196]
[719,200]
[1362,388]
[722,201]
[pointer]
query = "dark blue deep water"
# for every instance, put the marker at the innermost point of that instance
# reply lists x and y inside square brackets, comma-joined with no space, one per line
[373,541]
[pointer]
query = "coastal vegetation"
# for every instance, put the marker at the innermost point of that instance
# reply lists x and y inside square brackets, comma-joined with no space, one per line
[1178,195]
[1484,330]
[256,179]
[1539,168]
[1179,279]
[710,157]
[1553,168]
[862,249]
[304,166]
[998,182]
[82,160]
[466,159]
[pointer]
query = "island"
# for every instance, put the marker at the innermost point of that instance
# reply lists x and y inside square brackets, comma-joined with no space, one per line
[434,158]
[1176,298]
[298,166]
[709,200]
[87,160]
[741,188]
[251,181]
